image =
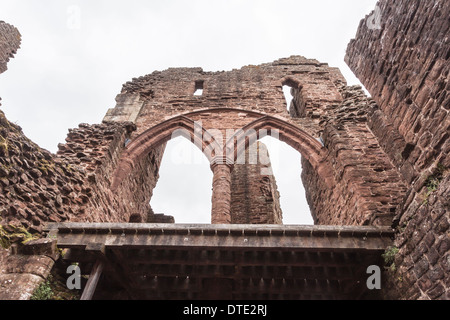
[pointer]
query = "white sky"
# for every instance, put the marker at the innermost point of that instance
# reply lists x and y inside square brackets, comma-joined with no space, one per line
[75,56]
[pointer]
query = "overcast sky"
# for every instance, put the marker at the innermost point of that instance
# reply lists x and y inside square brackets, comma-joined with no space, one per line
[75,56]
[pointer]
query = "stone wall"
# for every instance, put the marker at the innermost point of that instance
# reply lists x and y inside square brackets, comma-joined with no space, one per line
[323,106]
[73,185]
[383,161]
[96,149]
[24,268]
[10,39]
[254,193]
[369,187]
[150,99]
[37,187]
[404,64]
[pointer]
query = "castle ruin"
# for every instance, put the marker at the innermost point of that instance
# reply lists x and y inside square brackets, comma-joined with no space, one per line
[375,171]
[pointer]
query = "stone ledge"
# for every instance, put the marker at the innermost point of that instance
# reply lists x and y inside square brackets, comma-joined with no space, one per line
[18,286]
[36,265]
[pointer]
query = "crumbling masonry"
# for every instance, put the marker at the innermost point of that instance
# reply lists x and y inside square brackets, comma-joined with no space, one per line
[379,163]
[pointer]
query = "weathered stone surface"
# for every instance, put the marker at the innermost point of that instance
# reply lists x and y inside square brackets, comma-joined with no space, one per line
[254,189]
[160,218]
[18,286]
[38,265]
[405,66]
[349,167]
[45,247]
[40,187]
[10,39]
[380,161]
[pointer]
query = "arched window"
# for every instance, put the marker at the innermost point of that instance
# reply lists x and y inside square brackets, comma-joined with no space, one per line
[287,169]
[168,131]
[184,186]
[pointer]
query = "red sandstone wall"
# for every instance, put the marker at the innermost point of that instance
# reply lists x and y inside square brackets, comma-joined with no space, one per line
[37,187]
[158,96]
[369,187]
[254,193]
[372,167]
[97,149]
[323,106]
[10,39]
[405,67]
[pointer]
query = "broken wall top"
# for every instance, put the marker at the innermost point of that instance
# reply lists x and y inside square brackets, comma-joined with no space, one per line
[10,39]
[153,98]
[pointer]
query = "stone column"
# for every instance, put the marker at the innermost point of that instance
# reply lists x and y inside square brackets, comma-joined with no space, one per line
[221,193]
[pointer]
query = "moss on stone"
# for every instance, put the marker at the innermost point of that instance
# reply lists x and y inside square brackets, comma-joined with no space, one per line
[433,181]
[55,288]
[43,292]
[12,234]
[389,257]
[45,166]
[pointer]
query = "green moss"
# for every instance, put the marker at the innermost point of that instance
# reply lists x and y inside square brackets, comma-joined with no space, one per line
[43,292]
[12,234]
[4,239]
[4,242]
[433,181]
[389,258]
[44,166]
[55,288]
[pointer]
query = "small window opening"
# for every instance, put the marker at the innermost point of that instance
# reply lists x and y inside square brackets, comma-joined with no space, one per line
[198,88]
[287,90]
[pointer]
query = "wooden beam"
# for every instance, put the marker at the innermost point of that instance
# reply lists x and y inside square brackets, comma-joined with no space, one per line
[317,238]
[172,261]
[91,285]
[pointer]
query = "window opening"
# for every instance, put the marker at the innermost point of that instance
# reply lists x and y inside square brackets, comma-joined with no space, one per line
[198,88]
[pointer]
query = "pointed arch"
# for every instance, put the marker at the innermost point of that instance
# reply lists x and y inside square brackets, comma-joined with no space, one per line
[183,125]
[160,134]
[310,148]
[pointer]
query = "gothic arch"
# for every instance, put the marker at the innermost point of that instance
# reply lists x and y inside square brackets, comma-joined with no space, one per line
[310,148]
[183,125]
[158,135]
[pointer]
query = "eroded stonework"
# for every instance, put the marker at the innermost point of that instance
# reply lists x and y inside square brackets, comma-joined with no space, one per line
[405,66]
[381,161]
[10,39]
[350,165]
